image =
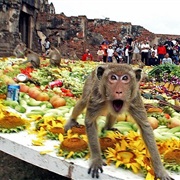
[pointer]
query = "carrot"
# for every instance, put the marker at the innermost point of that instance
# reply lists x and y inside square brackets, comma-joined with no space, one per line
[154,109]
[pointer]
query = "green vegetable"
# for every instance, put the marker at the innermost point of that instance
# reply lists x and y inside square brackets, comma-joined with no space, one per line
[34,113]
[33,102]
[147,95]
[175,129]
[47,104]
[20,109]
[10,103]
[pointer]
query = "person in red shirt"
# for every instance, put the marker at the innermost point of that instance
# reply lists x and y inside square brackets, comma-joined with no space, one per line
[87,56]
[161,51]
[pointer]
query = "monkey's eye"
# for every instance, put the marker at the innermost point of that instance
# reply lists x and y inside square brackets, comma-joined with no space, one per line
[114,77]
[125,78]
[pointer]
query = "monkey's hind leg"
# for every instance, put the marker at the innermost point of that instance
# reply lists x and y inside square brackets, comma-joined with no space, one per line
[110,120]
[78,109]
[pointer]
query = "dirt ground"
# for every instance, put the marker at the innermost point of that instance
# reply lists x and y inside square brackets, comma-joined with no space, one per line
[12,168]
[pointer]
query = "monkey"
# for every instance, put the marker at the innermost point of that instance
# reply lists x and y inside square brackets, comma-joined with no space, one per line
[115,89]
[19,50]
[33,58]
[54,55]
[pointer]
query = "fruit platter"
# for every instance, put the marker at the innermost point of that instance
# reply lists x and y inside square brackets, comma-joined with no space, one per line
[32,124]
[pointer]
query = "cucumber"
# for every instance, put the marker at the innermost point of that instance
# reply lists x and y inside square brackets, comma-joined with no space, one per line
[34,113]
[177,134]
[10,103]
[123,129]
[125,123]
[26,96]
[46,104]
[174,130]
[20,109]
[22,102]
[33,102]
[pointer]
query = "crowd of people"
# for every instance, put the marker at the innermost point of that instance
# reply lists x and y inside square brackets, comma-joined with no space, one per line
[132,51]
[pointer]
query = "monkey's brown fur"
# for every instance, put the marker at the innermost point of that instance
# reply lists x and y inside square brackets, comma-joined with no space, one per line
[55,56]
[19,50]
[114,88]
[33,58]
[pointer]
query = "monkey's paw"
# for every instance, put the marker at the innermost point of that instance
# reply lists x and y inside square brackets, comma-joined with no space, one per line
[70,124]
[95,166]
[163,176]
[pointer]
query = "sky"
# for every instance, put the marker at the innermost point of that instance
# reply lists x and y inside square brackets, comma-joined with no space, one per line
[157,16]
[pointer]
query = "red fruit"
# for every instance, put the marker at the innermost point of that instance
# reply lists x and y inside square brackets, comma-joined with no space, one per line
[64,90]
[69,94]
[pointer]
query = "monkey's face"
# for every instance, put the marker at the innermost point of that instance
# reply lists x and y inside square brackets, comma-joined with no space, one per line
[119,89]
[121,86]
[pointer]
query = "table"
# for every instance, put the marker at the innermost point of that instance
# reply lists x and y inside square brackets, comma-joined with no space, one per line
[20,146]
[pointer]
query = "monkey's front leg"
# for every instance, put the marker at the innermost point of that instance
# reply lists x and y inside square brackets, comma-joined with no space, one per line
[96,159]
[139,114]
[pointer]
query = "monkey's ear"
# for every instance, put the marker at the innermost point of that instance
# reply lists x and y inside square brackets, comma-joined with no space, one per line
[99,72]
[138,74]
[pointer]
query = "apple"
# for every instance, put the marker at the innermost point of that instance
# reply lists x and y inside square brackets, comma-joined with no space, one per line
[54,97]
[43,97]
[58,102]
[23,88]
[31,90]
[35,94]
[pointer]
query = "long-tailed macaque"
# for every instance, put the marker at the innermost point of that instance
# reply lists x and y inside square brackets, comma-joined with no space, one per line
[33,58]
[19,50]
[55,56]
[114,88]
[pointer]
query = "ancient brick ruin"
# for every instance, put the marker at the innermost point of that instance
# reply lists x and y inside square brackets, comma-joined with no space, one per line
[29,21]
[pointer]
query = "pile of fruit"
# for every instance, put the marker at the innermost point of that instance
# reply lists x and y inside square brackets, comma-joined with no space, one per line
[47,98]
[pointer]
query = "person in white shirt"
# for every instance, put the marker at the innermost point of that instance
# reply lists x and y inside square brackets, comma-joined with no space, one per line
[154,49]
[167,59]
[110,53]
[145,52]
[47,44]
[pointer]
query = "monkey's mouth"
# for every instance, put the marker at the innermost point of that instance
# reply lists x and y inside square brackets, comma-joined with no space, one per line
[117,105]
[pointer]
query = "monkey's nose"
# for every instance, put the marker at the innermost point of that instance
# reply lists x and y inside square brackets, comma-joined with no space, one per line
[118,92]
